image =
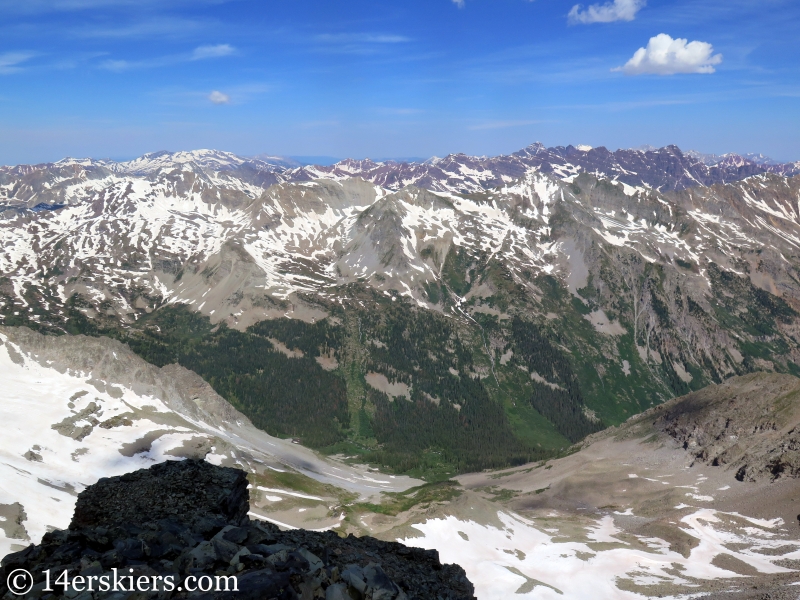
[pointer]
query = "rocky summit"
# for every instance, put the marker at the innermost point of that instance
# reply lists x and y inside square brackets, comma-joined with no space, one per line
[188,492]
[186,521]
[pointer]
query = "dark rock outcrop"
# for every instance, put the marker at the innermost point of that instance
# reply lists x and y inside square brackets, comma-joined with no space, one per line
[176,523]
[188,492]
[750,424]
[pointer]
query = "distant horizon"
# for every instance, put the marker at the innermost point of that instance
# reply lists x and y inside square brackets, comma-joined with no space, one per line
[322,160]
[396,79]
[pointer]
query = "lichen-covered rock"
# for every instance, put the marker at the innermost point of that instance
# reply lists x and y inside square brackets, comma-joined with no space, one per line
[188,519]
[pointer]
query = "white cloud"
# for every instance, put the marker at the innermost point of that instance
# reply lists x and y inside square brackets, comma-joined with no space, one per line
[10,61]
[665,56]
[618,10]
[358,43]
[200,53]
[361,38]
[213,51]
[116,65]
[459,3]
[217,97]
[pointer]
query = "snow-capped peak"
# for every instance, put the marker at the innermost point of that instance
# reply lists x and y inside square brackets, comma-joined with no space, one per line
[81,162]
[210,159]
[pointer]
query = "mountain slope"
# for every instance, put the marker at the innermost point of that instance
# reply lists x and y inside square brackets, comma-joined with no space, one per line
[631,515]
[644,509]
[101,411]
[526,316]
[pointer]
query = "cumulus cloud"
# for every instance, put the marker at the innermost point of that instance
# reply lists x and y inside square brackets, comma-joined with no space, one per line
[618,10]
[218,98]
[212,51]
[667,56]
[10,61]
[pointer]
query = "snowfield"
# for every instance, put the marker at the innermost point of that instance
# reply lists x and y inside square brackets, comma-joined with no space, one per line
[522,560]
[44,468]
[65,428]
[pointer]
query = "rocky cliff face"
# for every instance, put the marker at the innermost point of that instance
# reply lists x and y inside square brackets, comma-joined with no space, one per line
[750,425]
[189,519]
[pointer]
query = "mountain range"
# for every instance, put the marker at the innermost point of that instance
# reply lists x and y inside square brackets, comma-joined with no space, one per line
[523,300]
[409,323]
[665,168]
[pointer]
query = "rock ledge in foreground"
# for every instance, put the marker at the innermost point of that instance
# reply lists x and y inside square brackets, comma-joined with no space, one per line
[189,518]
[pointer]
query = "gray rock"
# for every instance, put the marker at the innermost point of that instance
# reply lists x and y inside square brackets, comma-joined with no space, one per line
[186,490]
[382,587]
[293,565]
[252,561]
[354,577]
[258,585]
[238,555]
[131,548]
[313,560]
[310,588]
[236,535]
[225,550]
[743,425]
[268,550]
[279,557]
[337,591]
[203,556]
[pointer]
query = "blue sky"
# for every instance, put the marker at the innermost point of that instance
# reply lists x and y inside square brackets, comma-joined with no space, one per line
[381,78]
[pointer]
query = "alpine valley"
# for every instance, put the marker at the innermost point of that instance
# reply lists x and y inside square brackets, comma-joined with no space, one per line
[454,353]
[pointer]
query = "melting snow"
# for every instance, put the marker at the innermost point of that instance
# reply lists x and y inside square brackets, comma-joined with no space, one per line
[499,561]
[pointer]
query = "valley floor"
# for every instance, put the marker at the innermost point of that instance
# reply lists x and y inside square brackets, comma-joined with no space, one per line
[630,515]
[626,517]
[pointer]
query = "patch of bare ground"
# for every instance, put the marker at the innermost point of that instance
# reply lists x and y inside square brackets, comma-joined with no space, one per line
[729,562]
[381,383]
[678,539]
[774,587]
[280,347]
[328,362]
